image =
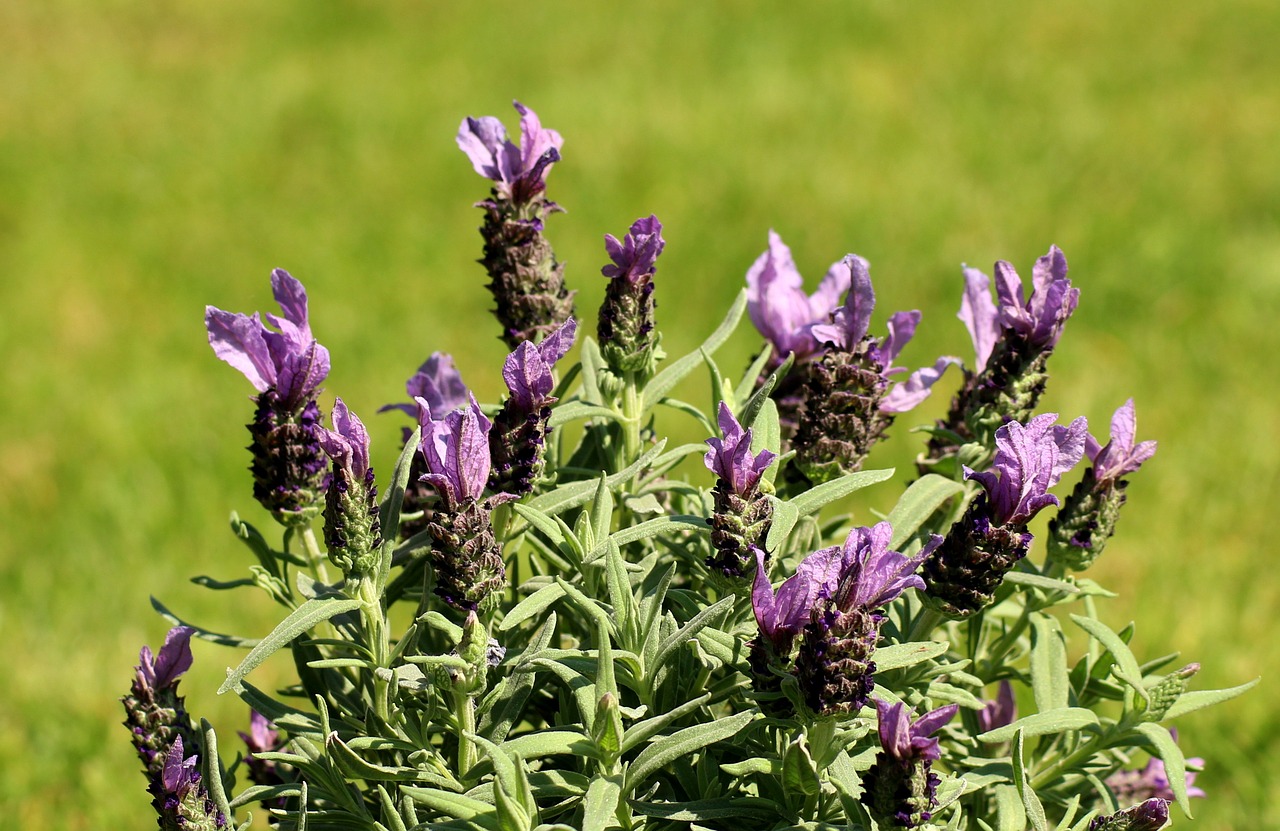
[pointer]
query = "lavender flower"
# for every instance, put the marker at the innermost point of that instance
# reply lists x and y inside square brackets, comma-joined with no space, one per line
[628,339]
[1000,711]
[465,555]
[184,803]
[963,573]
[517,442]
[847,404]
[286,367]
[1151,815]
[1135,786]
[1079,532]
[831,605]
[352,529]
[438,382]
[899,789]
[526,281]
[154,711]
[262,738]
[1012,340]
[742,514]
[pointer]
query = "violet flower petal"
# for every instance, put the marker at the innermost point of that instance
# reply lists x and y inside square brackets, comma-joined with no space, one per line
[852,320]
[731,458]
[1029,460]
[482,139]
[1000,711]
[535,142]
[902,327]
[348,443]
[237,339]
[1121,456]
[872,575]
[557,344]
[527,377]
[634,258]
[776,302]
[910,393]
[980,317]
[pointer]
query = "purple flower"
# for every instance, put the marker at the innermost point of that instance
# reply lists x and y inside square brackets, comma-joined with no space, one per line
[456,450]
[262,736]
[635,257]
[1003,710]
[731,458]
[850,324]
[180,774]
[1151,815]
[781,310]
[1131,786]
[519,171]
[527,370]
[438,382]
[161,671]
[1120,456]
[1038,319]
[1029,460]
[907,740]
[348,444]
[289,361]
[860,574]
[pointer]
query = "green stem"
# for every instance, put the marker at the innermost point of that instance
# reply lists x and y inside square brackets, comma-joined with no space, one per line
[1081,754]
[377,638]
[924,625]
[465,707]
[315,556]
[631,403]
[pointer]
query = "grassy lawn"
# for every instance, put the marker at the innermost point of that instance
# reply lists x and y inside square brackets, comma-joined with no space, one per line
[155,157]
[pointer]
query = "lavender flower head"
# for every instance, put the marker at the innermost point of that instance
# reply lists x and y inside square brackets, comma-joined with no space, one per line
[456,449]
[519,171]
[899,790]
[289,361]
[1152,781]
[1037,319]
[438,382]
[352,529]
[1029,460]
[1120,456]
[185,803]
[517,442]
[731,458]
[1151,815]
[626,325]
[780,309]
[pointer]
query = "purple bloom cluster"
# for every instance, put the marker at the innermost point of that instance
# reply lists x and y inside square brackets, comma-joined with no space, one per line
[352,529]
[742,514]
[963,573]
[830,605]
[626,327]
[1151,815]
[526,281]
[1152,781]
[846,404]
[1013,337]
[899,789]
[780,309]
[1080,531]
[286,367]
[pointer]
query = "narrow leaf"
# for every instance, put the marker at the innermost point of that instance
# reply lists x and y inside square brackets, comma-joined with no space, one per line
[1041,724]
[1049,680]
[1031,802]
[301,620]
[1126,667]
[389,510]
[920,501]
[663,751]
[1189,702]
[600,804]
[676,372]
[814,499]
[577,410]
[573,494]
[1175,765]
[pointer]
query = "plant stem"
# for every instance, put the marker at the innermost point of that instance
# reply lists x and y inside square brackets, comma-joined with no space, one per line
[631,418]
[314,555]
[924,625]
[465,707]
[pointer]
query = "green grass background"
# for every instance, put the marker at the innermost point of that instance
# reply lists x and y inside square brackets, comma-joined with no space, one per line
[158,156]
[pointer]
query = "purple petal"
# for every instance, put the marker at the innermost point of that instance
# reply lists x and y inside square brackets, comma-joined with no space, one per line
[776,303]
[292,297]
[763,600]
[237,339]
[172,661]
[301,374]
[902,327]
[482,140]
[893,724]
[922,745]
[731,458]
[528,377]
[471,457]
[350,438]
[557,344]
[978,312]
[1121,456]
[852,320]
[826,299]
[1012,311]
[535,142]
[438,381]
[909,393]
[1003,710]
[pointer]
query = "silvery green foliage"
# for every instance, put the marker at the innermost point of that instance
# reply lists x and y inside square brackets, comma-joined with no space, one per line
[609,680]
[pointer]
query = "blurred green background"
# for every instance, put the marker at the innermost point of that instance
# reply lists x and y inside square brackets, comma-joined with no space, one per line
[155,157]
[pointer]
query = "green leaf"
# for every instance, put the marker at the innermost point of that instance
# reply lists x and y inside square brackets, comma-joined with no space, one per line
[566,742]
[301,620]
[1126,666]
[1049,681]
[690,630]
[1040,724]
[601,510]
[642,731]
[389,510]
[690,410]
[701,810]
[1189,702]
[578,410]
[814,499]
[748,383]
[573,494]
[455,805]
[503,706]
[1038,581]
[920,501]
[1011,814]
[1031,802]
[667,749]
[532,606]
[212,770]
[592,365]
[202,633]
[756,402]
[676,372]
[600,805]
[901,655]
[1175,765]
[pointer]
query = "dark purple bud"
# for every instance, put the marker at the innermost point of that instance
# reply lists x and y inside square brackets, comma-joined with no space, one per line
[290,361]
[731,458]
[1151,815]
[780,309]
[352,527]
[1121,456]
[438,382]
[1029,460]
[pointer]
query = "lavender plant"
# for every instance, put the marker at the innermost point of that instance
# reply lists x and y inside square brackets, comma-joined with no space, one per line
[530,627]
